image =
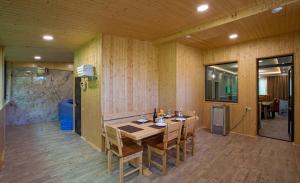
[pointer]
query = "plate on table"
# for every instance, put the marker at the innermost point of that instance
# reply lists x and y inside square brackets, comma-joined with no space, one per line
[180,119]
[160,124]
[142,120]
[168,116]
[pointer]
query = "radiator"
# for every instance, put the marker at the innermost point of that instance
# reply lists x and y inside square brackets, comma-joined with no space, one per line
[220,119]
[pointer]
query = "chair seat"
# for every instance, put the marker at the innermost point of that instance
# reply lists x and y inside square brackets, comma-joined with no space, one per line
[129,148]
[158,143]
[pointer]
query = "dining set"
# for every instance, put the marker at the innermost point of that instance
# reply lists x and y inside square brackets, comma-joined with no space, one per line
[128,140]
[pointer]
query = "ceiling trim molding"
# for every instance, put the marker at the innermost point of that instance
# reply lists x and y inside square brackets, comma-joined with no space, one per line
[227,19]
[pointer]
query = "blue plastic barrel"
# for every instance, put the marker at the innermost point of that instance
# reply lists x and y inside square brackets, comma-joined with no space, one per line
[65,114]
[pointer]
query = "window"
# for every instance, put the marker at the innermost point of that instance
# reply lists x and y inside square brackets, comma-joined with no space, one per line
[263,82]
[221,83]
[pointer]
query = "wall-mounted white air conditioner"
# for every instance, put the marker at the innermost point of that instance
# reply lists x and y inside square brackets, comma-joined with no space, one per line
[85,70]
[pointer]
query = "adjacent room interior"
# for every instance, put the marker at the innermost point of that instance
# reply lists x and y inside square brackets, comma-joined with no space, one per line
[276,98]
[150,91]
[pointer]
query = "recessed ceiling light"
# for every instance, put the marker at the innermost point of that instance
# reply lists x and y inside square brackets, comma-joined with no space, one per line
[37,57]
[188,36]
[260,61]
[277,9]
[48,37]
[233,36]
[202,8]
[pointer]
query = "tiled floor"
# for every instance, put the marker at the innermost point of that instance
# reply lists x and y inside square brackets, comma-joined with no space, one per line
[275,128]
[41,153]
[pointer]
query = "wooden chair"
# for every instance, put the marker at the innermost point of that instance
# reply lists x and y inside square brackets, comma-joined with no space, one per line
[162,144]
[126,150]
[188,133]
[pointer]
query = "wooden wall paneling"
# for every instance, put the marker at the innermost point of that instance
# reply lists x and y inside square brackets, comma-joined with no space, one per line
[50,65]
[130,77]
[2,133]
[1,75]
[297,87]
[2,107]
[90,53]
[246,55]
[189,78]
[167,75]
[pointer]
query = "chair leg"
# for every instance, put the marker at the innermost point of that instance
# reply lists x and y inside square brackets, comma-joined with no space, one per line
[193,145]
[149,156]
[177,154]
[164,167]
[184,150]
[121,170]
[109,161]
[141,163]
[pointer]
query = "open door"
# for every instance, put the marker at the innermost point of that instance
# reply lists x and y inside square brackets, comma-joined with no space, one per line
[291,105]
[77,105]
[275,84]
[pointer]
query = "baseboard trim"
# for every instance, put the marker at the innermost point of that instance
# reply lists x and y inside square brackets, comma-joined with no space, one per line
[91,144]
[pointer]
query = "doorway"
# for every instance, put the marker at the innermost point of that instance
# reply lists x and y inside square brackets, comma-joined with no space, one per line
[275,91]
[78,105]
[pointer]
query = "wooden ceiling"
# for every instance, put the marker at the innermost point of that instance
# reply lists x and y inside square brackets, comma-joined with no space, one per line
[258,26]
[73,22]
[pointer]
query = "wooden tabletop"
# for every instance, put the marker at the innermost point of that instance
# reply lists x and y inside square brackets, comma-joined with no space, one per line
[142,134]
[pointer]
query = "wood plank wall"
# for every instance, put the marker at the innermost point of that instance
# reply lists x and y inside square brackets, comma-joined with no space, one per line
[90,53]
[246,55]
[1,75]
[2,107]
[180,79]
[189,78]
[167,75]
[2,132]
[129,77]
[50,65]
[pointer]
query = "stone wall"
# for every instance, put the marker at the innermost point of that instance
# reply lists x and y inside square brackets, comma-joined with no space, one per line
[35,98]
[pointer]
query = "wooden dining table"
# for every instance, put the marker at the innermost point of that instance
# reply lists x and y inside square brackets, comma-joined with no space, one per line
[140,131]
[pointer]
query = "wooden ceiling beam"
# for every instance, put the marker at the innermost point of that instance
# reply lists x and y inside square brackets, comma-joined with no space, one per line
[238,15]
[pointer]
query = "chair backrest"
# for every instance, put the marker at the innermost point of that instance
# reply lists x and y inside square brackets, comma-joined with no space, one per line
[193,114]
[190,124]
[114,141]
[172,131]
[188,127]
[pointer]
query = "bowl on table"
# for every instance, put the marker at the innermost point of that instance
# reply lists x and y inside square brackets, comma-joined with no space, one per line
[142,120]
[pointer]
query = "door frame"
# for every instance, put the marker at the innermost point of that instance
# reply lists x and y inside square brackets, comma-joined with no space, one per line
[76,106]
[293,92]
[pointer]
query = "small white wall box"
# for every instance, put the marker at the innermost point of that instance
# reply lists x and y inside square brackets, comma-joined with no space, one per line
[85,70]
[220,119]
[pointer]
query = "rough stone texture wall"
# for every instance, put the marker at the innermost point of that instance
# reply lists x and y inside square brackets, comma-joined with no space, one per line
[35,98]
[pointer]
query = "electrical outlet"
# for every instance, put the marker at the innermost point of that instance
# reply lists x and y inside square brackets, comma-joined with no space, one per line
[248,108]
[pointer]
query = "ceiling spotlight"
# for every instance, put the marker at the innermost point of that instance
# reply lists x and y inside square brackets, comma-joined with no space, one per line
[202,8]
[277,9]
[48,37]
[233,36]
[37,57]
[188,36]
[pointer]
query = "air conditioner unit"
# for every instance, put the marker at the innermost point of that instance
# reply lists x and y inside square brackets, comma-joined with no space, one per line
[85,70]
[220,119]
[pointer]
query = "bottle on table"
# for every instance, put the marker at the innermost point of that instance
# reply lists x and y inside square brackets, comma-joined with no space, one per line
[154,115]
